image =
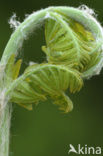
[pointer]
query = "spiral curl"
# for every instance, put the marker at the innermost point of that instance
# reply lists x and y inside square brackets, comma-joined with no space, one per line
[73,51]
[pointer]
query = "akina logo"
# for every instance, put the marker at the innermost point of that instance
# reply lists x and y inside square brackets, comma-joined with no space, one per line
[85,150]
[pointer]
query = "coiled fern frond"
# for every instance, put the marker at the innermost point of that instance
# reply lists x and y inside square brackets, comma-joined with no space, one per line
[41,81]
[73,51]
[68,43]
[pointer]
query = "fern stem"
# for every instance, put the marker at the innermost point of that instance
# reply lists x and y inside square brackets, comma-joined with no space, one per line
[21,33]
[5,117]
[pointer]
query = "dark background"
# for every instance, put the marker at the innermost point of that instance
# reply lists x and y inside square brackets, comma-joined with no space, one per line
[46,131]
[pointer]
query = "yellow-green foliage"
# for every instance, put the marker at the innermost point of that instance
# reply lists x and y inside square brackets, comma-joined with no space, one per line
[70,44]
[46,80]
[71,50]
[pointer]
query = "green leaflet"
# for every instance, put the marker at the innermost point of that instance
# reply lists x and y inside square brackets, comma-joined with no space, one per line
[69,43]
[12,70]
[46,80]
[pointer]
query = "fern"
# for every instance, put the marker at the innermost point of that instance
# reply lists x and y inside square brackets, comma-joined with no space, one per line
[73,51]
[40,81]
[69,43]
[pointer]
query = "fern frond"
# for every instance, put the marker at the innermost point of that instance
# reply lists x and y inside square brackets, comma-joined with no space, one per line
[46,80]
[73,52]
[68,43]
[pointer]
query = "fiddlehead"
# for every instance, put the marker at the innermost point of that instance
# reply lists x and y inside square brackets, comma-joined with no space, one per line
[73,51]
[70,43]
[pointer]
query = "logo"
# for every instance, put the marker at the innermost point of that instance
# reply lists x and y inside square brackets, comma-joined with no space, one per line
[84,150]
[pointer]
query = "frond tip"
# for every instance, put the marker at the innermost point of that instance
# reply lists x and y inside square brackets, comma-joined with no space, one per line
[46,80]
[69,43]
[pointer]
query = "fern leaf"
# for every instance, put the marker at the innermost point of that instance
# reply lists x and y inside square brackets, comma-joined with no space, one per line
[46,80]
[69,43]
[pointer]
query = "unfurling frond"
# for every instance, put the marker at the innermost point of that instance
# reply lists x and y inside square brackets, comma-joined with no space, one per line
[73,51]
[69,43]
[46,80]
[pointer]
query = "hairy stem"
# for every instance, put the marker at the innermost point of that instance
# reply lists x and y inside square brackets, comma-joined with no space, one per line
[5,116]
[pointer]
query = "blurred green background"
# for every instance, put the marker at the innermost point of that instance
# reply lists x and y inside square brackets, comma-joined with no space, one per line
[46,131]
